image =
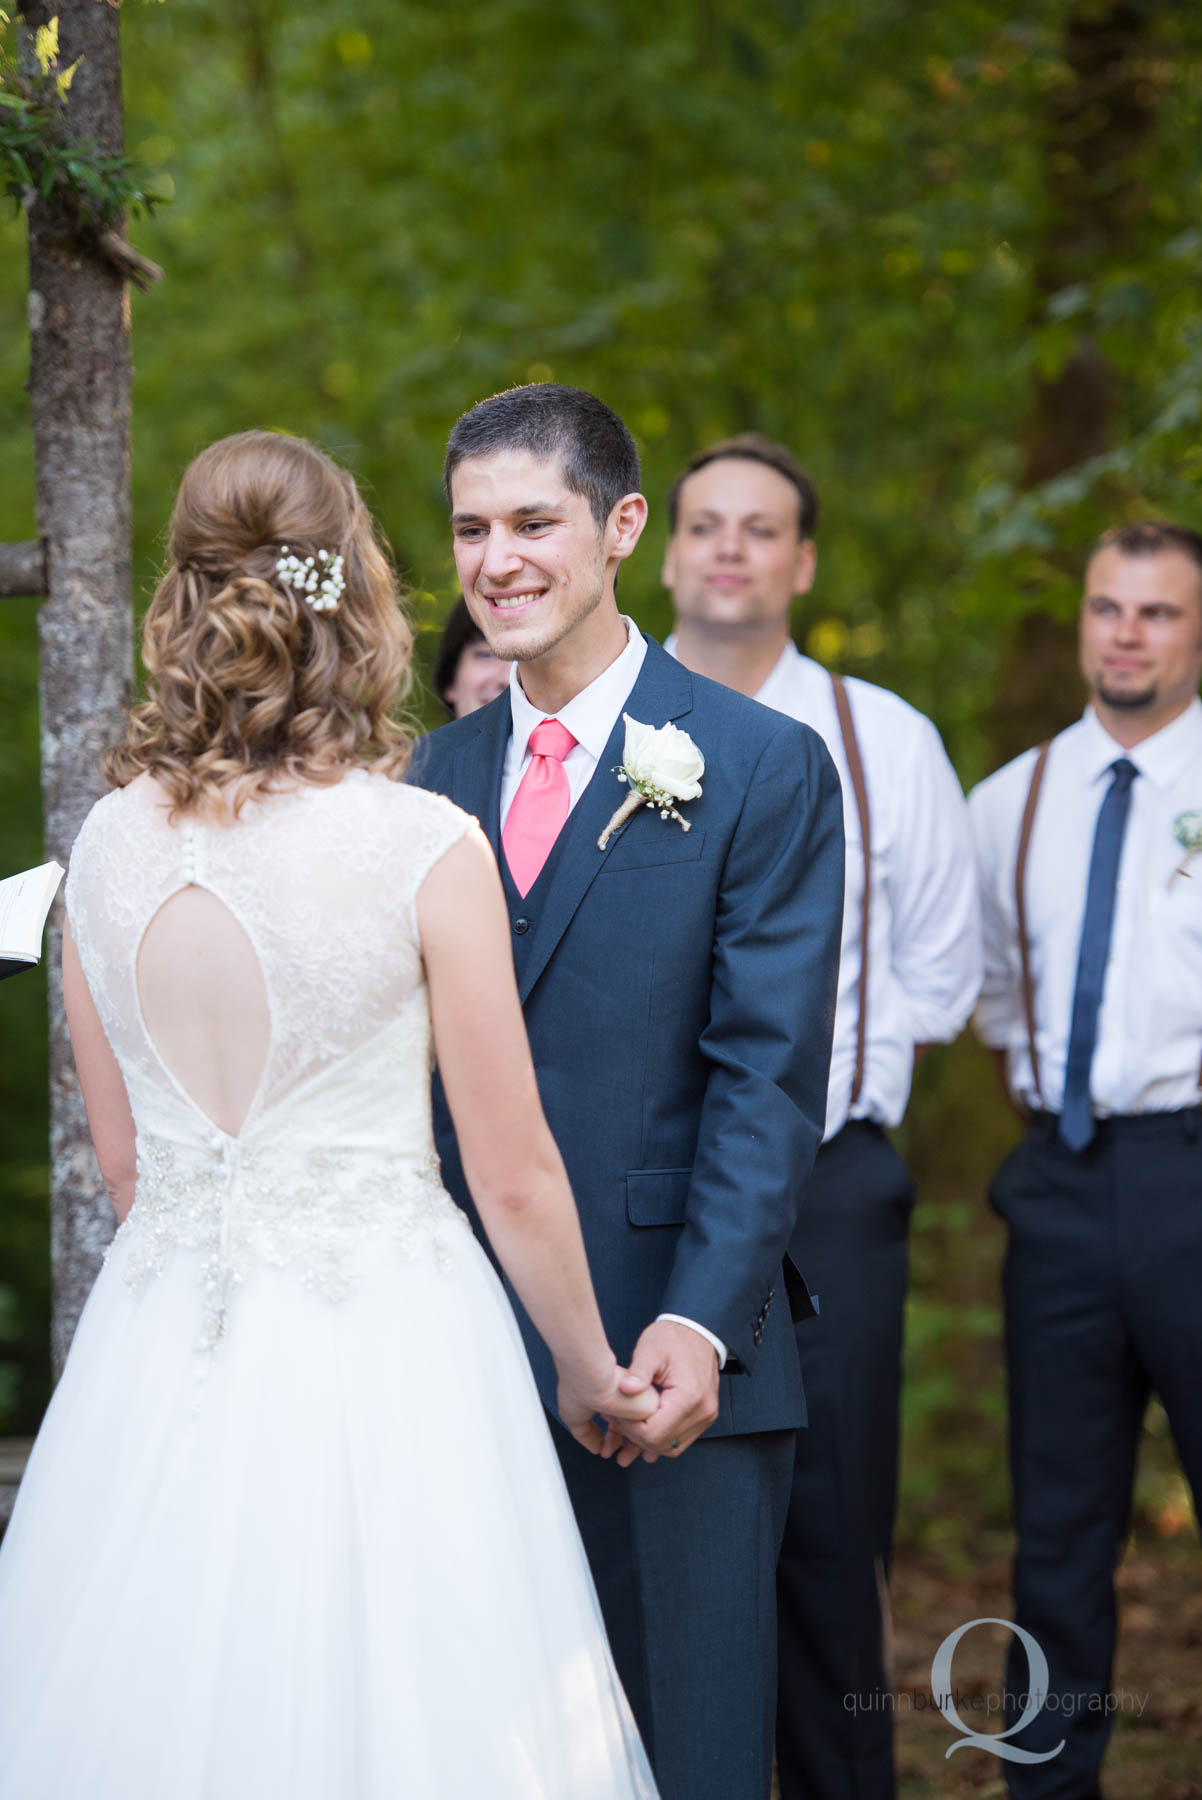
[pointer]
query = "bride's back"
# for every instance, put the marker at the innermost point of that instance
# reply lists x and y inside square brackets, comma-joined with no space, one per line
[243,904]
[234,961]
[204,1003]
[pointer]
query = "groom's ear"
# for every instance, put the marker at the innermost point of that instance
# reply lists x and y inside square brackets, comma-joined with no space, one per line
[624,527]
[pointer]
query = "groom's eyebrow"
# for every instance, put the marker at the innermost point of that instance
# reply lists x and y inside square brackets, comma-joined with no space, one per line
[534,509]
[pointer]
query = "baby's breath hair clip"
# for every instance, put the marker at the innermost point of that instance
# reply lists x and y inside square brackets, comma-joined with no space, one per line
[317,579]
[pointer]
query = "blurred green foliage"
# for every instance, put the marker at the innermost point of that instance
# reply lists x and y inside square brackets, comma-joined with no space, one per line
[829,220]
[74,179]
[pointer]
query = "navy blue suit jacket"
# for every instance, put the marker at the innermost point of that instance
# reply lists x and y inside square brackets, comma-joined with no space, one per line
[679,994]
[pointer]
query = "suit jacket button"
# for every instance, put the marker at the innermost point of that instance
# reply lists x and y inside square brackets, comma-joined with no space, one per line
[521,926]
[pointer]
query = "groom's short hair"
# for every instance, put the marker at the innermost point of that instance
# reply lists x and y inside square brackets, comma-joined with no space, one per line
[596,451]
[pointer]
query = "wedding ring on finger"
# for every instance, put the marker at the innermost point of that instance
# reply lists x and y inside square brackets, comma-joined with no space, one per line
[676,1443]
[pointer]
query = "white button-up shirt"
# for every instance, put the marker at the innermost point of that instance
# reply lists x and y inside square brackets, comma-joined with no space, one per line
[590,717]
[924,961]
[1149,1045]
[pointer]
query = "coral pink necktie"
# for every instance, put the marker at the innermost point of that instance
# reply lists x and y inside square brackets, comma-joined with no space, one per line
[540,807]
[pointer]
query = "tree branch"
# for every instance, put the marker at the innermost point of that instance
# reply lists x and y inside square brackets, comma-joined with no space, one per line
[128,262]
[22,570]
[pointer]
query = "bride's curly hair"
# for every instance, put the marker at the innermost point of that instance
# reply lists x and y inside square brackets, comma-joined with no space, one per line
[250,688]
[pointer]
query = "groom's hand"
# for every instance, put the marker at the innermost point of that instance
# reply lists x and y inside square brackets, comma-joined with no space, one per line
[684,1367]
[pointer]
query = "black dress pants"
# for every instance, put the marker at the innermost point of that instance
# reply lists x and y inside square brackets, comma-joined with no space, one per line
[1103,1292]
[834,1737]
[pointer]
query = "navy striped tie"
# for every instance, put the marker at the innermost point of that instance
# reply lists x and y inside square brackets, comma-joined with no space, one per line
[1076,1116]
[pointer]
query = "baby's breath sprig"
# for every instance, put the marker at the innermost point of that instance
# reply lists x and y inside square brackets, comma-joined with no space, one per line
[641,794]
[1187,829]
[660,768]
[318,579]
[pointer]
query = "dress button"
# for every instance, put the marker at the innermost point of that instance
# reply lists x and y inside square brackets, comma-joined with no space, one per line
[521,926]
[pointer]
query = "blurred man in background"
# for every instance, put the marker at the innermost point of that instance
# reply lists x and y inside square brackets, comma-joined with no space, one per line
[742,519]
[1090,854]
[466,674]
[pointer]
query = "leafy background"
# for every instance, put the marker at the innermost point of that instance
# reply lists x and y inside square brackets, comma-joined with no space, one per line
[951,254]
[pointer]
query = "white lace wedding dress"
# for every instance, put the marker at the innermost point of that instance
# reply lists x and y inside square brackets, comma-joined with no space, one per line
[294,1528]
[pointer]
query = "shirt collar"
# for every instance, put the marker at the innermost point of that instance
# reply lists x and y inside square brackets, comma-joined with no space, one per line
[592,714]
[1159,758]
[775,690]
[790,665]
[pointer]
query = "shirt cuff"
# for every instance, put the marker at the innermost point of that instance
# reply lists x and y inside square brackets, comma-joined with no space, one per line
[716,1342]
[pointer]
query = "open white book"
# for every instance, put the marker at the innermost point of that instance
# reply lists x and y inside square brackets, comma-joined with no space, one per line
[24,902]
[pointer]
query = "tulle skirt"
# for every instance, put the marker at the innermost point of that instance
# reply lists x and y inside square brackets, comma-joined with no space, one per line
[331,1558]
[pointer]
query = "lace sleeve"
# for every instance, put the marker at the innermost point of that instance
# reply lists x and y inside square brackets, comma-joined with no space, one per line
[434,826]
[82,898]
[76,882]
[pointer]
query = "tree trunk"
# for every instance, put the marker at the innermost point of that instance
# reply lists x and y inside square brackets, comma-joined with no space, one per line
[80,401]
[1096,125]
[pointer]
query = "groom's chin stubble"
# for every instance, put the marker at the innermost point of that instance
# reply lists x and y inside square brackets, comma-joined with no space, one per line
[511,647]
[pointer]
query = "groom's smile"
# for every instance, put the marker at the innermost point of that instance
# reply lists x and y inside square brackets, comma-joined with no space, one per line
[529,555]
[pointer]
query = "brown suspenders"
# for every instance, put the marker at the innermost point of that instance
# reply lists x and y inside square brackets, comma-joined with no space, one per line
[855,768]
[1020,906]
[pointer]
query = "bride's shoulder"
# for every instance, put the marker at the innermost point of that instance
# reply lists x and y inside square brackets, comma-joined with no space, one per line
[412,813]
[114,841]
[115,811]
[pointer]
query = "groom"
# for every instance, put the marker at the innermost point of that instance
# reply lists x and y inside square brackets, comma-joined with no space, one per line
[679,990]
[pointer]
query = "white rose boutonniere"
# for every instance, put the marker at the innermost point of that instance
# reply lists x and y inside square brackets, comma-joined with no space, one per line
[662,767]
[1187,829]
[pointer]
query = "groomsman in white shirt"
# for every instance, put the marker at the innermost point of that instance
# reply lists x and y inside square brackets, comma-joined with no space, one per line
[742,520]
[1090,855]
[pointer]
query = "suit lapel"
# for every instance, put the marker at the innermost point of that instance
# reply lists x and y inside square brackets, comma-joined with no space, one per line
[663,691]
[479,765]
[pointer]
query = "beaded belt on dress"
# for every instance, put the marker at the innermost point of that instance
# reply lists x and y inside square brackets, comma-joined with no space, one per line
[307,1210]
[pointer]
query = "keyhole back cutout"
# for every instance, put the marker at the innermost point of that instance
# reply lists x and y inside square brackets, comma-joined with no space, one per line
[204,1004]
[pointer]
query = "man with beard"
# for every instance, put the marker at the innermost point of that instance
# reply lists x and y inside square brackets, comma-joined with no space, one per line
[1088,849]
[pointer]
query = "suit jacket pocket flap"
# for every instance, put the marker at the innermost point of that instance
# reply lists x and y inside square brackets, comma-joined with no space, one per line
[657,1196]
[647,848]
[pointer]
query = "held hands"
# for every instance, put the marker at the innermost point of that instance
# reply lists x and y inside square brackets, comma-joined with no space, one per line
[613,1396]
[683,1367]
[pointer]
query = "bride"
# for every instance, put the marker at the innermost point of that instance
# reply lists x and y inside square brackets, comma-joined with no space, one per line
[293,1528]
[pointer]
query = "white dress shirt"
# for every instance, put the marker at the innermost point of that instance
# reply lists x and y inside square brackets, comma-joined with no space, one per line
[590,717]
[924,962]
[1149,1044]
